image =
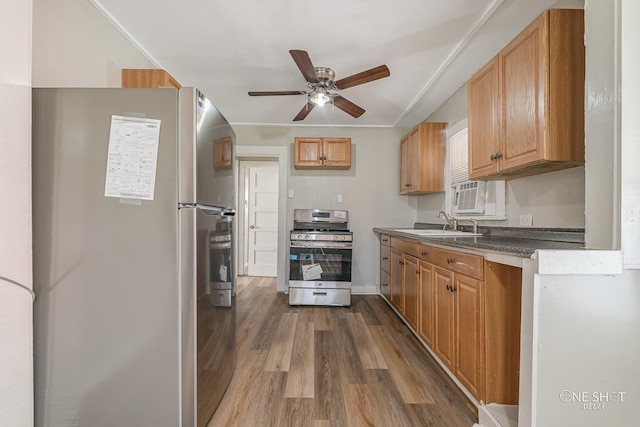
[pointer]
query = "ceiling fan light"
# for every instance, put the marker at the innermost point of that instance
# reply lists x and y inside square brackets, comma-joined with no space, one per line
[319,98]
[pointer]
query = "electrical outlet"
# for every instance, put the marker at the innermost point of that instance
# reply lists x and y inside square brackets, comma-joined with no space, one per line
[526,220]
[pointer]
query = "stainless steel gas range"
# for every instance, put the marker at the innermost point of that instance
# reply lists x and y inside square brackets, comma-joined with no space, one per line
[320,258]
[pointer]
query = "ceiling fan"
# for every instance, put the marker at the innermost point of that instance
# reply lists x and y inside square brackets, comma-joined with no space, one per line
[320,81]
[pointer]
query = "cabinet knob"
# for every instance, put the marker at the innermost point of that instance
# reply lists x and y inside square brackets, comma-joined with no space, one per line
[498,155]
[448,287]
[449,260]
[453,289]
[423,253]
[417,271]
[400,262]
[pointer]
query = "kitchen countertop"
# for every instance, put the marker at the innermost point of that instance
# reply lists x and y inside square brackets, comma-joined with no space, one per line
[520,242]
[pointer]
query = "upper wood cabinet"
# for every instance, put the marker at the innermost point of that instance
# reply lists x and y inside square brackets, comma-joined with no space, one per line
[148,78]
[222,153]
[422,154]
[326,153]
[526,106]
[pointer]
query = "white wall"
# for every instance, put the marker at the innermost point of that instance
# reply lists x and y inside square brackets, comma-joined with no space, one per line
[555,199]
[588,311]
[74,45]
[369,189]
[16,349]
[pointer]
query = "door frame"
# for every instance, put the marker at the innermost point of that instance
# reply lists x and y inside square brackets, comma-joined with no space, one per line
[244,170]
[281,155]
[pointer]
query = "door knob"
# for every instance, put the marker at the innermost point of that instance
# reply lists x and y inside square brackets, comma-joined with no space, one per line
[252,227]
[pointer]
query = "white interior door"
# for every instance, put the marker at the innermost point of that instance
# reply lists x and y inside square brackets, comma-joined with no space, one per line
[263,221]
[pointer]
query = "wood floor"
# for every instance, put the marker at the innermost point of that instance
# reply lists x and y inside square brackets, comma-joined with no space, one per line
[332,366]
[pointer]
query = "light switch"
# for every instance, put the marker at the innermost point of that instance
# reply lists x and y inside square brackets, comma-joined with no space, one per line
[290,193]
[339,198]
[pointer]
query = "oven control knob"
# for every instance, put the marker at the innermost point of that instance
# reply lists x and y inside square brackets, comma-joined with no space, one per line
[306,236]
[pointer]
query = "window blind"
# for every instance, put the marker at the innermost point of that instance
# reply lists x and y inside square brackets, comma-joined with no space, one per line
[459,156]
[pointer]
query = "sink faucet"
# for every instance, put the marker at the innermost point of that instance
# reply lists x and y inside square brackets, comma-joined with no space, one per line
[452,222]
[475,224]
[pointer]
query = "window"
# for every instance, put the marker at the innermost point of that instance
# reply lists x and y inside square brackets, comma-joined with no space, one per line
[464,198]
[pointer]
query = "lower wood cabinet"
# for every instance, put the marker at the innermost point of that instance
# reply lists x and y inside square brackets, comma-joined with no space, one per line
[385,267]
[396,296]
[469,333]
[410,272]
[445,338]
[469,319]
[405,272]
[427,304]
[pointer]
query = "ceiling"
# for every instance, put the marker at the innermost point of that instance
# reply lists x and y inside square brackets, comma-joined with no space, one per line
[227,48]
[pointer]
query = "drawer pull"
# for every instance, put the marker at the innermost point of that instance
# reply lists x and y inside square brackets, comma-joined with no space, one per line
[423,253]
[384,257]
[449,260]
[320,293]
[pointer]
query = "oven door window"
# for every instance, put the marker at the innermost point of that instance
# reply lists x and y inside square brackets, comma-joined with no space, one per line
[320,264]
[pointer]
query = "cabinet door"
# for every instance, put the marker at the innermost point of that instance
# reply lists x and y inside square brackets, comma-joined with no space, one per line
[308,152]
[385,284]
[523,73]
[445,317]
[483,91]
[337,153]
[396,291]
[410,276]
[405,168]
[469,333]
[426,295]
[414,157]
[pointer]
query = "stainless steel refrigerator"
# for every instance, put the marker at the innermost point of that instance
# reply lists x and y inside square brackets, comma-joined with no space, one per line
[133,207]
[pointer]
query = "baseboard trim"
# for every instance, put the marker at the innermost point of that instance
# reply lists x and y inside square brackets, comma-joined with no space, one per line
[365,290]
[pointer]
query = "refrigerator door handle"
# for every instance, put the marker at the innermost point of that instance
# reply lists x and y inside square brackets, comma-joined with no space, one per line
[209,209]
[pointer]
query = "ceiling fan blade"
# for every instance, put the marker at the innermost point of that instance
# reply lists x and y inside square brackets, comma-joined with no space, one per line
[303,62]
[304,112]
[364,77]
[282,92]
[347,106]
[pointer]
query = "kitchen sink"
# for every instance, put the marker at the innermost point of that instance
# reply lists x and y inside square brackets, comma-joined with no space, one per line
[436,233]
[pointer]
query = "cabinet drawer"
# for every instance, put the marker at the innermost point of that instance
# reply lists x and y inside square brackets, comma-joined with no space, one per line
[384,239]
[385,284]
[406,246]
[385,258]
[467,264]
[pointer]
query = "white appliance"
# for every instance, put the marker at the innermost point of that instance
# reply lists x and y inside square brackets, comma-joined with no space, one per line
[134,314]
[469,198]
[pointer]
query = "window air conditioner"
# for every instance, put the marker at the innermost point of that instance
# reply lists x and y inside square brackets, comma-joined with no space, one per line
[469,198]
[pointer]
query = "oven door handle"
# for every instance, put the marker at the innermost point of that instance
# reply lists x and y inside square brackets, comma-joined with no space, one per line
[321,245]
